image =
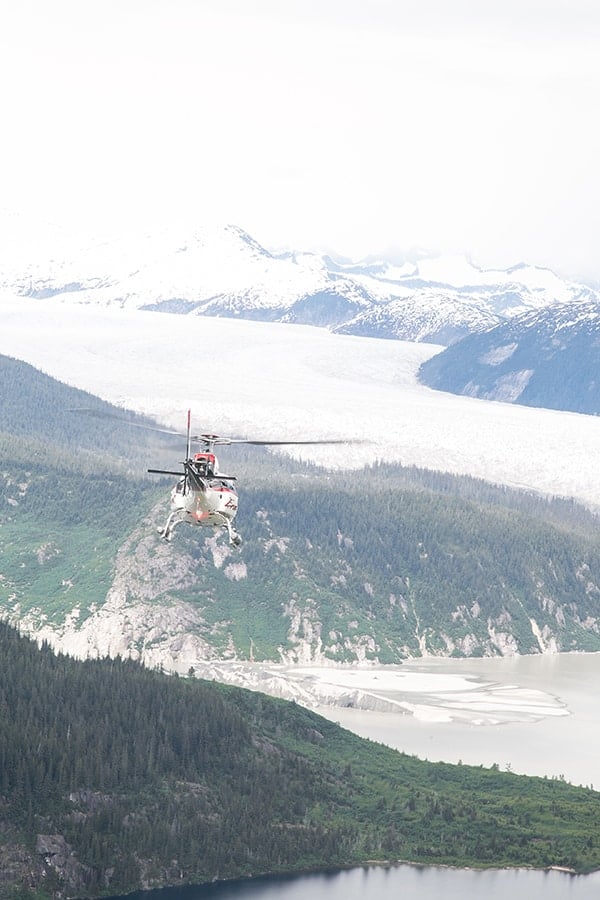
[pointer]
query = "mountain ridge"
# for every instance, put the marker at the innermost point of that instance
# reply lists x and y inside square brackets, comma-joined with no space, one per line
[224,271]
[547,358]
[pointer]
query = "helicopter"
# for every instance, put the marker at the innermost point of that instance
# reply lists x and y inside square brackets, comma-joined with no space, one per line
[203,495]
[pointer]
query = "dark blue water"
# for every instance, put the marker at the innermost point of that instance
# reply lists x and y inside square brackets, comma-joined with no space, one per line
[396,883]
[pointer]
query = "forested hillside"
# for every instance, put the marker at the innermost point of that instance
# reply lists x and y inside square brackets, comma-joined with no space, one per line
[38,408]
[374,565]
[115,778]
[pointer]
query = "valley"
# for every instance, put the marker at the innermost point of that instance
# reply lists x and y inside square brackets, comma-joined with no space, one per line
[309,382]
[319,285]
[330,602]
[435,565]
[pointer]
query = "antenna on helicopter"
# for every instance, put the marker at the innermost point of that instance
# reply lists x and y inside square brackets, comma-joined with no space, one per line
[189,434]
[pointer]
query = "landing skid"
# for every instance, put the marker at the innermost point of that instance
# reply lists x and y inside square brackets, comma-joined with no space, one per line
[175,519]
[235,539]
[178,516]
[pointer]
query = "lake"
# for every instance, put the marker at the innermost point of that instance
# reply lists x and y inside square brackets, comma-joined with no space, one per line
[395,883]
[530,742]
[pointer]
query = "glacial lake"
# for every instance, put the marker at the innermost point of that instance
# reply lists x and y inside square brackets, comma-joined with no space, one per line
[547,715]
[559,739]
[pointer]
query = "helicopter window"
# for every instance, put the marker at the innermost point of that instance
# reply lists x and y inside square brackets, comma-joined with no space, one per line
[222,483]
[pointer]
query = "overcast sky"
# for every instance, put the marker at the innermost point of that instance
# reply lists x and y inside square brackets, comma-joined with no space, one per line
[355,126]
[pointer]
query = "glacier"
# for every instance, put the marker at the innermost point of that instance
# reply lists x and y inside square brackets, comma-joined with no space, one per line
[292,382]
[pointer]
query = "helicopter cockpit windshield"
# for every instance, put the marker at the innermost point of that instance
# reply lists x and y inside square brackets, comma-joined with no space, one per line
[205,464]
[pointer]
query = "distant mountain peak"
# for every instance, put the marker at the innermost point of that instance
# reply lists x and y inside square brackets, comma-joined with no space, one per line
[221,270]
[247,238]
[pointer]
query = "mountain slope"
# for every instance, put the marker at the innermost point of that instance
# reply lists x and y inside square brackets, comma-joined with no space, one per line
[549,358]
[116,778]
[42,409]
[387,564]
[434,316]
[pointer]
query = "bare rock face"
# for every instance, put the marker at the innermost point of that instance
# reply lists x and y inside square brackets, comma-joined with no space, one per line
[140,618]
[60,858]
[18,866]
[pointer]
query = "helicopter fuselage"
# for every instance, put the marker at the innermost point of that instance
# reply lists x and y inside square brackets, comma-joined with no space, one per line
[207,502]
[202,496]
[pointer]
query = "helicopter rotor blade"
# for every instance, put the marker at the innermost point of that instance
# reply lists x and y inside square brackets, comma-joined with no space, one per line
[214,439]
[190,438]
[293,443]
[101,414]
[208,438]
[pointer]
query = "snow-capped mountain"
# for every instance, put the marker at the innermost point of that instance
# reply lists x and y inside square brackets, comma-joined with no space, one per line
[434,316]
[548,358]
[223,271]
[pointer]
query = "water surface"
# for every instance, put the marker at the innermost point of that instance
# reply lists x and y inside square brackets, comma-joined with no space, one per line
[396,883]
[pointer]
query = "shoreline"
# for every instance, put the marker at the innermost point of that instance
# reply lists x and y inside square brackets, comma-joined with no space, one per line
[529,738]
[292,874]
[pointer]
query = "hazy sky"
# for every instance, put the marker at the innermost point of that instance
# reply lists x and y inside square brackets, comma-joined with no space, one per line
[350,125]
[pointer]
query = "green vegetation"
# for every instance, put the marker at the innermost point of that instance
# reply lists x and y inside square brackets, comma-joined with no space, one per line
[40,409]
[414,565]
[382,563]
[59,531]
[113,777]
[144,778]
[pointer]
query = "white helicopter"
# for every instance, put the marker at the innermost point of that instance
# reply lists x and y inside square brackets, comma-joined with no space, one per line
[203,495]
